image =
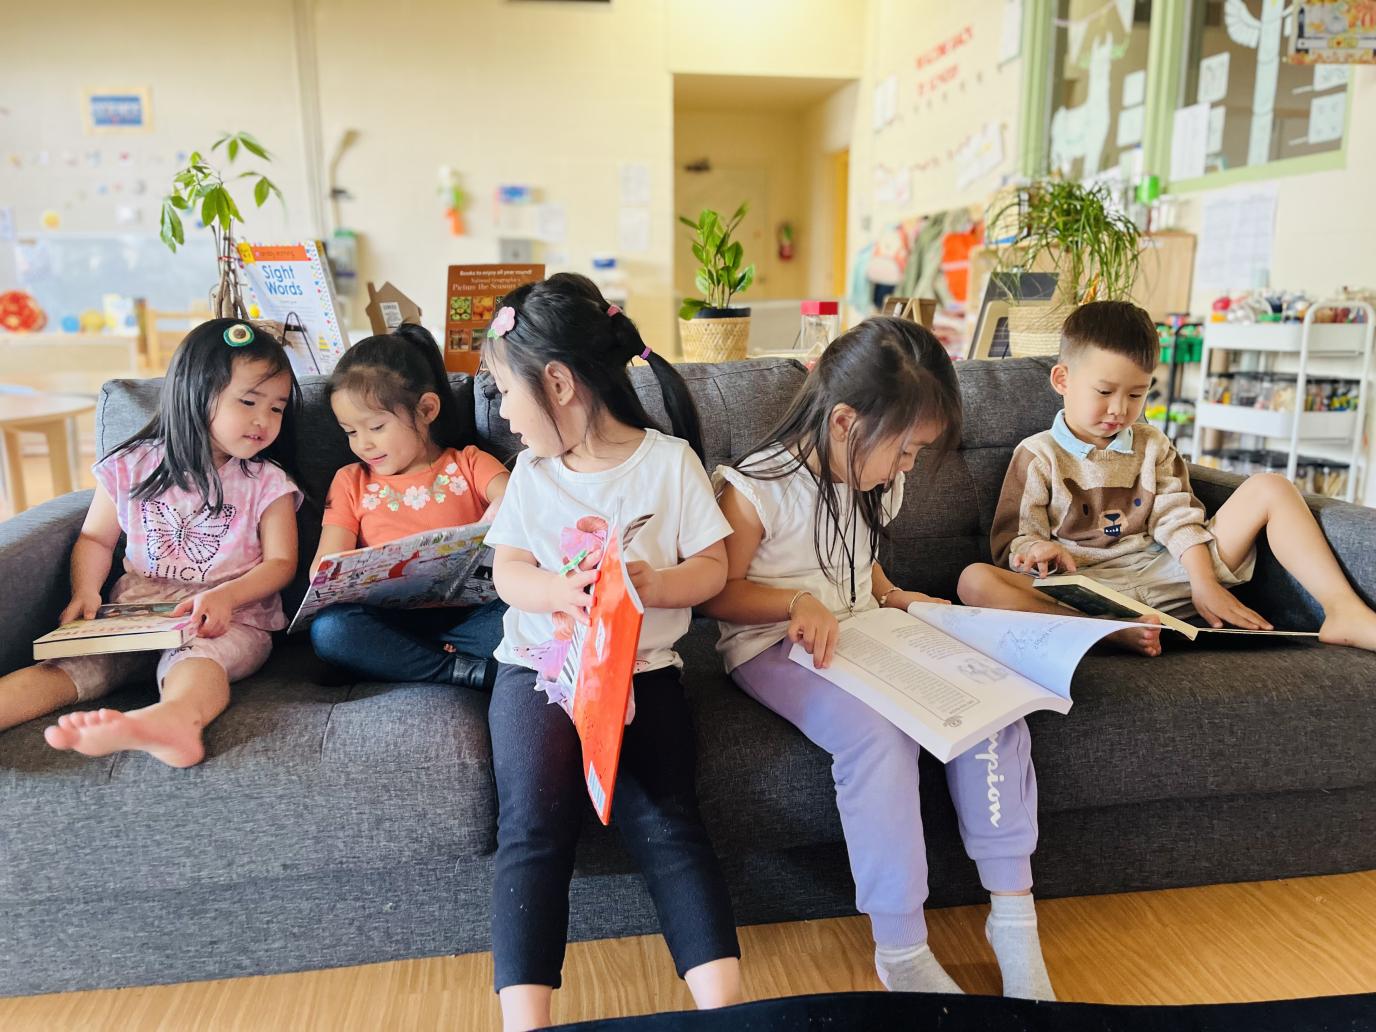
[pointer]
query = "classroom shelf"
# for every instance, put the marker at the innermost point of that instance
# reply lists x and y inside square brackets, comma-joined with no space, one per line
[1287,338]
[1307,340]
[1314,426]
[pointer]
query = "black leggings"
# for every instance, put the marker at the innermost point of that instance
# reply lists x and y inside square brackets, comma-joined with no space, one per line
[543,801]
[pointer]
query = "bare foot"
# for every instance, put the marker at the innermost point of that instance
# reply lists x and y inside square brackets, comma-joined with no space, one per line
[161,731]
[1144,640]
[1352,625]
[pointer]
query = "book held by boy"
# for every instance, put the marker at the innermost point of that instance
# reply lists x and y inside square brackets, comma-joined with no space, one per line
[950,676]
[1094,599]
[447,567]
[118,627]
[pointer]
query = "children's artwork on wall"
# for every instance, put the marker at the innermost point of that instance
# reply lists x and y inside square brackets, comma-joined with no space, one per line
[1263,34]
[928,256]
[1082,131]
[1339,31]
[117,110]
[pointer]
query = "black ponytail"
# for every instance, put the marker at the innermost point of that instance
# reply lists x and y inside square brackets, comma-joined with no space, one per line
[566,319]
[392,371]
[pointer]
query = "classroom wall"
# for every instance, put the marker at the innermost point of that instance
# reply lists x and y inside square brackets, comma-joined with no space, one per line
[1325,221]
[828,127]
[556,96]
[48,163]
[756,155]
[940,107]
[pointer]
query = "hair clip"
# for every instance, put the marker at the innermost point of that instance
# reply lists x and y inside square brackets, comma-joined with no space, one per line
[613,310]
[238,335]
[502,324]
[646,353]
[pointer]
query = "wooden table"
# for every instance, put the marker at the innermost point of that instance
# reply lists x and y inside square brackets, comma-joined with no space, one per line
[53,416]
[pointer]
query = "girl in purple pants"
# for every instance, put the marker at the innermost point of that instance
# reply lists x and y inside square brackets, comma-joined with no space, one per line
[806,511]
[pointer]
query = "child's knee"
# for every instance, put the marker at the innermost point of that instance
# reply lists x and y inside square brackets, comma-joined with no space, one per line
[333,633]
[1271,486]
[977,582]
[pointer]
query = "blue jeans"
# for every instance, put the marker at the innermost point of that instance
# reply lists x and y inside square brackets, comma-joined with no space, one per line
[406,644]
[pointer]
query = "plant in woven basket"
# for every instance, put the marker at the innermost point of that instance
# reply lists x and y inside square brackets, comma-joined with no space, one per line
[1093,246]
[200,188]
[720,276]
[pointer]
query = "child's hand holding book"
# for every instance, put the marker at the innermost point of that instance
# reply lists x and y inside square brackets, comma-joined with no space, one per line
[83,606]
[1043,559]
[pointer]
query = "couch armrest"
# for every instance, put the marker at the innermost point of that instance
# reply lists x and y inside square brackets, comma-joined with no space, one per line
[35,560]
[1351,533]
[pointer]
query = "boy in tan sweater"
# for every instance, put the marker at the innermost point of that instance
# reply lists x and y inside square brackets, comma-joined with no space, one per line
[1106,496]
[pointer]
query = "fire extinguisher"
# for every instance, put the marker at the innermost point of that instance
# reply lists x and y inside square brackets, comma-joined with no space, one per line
[785,241]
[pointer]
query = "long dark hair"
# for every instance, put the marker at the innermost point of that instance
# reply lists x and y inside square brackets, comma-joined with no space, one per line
[566,319]
[895,375]
[392,371]
[200,370]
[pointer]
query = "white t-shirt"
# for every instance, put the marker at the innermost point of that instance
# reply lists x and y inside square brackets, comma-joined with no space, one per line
[554,513]
[787,556]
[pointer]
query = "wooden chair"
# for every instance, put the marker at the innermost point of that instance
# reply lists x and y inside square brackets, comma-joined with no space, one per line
[157,341]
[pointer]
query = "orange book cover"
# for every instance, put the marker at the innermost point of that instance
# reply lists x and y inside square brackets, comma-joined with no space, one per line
[605,654]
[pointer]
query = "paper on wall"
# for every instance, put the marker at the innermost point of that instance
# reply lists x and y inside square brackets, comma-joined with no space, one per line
[633,230]
[552,223]
[1327,115]
[1010,39]
[1236,238]
[1189,138]
[1326,77]
[635,183]
[1130,126]
[1217,116]
[1213,79]
[980,155]
[1134,88]
[1125,13]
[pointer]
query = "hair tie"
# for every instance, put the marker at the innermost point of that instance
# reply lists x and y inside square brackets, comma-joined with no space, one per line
[238,335]
[646,353]
[503,323]
[613,310]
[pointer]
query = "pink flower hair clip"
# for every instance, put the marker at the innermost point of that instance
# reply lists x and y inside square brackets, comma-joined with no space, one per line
[613,310]
[502,324]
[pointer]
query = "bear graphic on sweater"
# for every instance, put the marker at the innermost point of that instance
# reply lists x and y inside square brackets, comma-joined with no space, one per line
[1100,517]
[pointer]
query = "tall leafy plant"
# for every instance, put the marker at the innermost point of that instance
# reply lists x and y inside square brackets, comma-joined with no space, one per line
[720,276]
[200,189]
[1095,247]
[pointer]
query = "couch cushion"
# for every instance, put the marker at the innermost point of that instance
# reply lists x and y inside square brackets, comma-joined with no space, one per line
[298,778]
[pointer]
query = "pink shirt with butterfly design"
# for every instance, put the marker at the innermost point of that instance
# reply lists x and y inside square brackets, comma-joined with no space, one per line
[177,547]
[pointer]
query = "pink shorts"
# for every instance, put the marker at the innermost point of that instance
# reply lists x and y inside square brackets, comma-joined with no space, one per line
[240,651]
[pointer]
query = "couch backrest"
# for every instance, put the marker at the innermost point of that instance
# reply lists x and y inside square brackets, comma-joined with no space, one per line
[945,520]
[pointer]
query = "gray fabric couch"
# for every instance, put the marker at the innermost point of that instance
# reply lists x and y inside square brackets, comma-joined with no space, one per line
[342,825]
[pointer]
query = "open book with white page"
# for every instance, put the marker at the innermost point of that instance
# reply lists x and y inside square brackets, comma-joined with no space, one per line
[950,676]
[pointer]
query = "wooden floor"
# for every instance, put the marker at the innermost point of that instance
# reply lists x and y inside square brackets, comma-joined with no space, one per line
[1258,941]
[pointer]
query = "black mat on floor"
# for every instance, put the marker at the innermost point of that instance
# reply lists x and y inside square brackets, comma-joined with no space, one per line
[853,1012]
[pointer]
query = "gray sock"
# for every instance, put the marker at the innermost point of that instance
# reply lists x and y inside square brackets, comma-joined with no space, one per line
[1012,931]
[912,969]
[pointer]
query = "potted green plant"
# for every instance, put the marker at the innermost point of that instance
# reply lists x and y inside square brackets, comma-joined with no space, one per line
[711,329]
[1075,230]
[200,189]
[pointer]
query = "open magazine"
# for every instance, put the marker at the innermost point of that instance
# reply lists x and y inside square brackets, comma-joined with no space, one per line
[950,676]
[1094,599]
[600,667]
[448,567]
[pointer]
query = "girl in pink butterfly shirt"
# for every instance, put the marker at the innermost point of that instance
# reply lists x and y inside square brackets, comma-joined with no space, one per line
[203,495]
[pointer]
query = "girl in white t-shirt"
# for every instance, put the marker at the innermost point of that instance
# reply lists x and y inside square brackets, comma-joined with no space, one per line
[559,353]
[807,509]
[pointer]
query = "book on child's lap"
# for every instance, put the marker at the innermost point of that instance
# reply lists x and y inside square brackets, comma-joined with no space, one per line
[447,567]
[118,627]
[951,676]
[1090,597]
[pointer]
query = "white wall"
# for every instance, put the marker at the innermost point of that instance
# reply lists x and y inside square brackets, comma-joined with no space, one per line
[555,96]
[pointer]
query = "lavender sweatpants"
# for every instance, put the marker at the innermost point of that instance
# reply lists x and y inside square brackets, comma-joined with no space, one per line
[874,766]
